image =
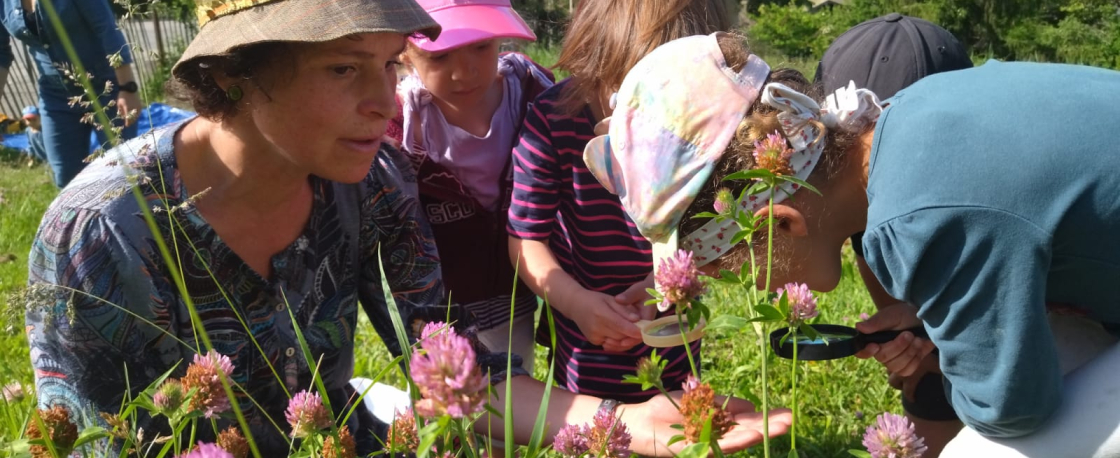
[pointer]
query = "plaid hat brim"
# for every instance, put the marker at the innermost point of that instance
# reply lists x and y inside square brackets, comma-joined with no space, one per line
[306,21]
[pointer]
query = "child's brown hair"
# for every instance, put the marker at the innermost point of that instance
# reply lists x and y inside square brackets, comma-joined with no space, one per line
[607,37]
[760,120]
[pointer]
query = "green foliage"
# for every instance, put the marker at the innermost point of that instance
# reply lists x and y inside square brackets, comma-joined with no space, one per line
[792,30]
[1067,31]
[833,393]
[548,18]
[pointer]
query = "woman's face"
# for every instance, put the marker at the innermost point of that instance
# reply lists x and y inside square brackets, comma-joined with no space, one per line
[324,110]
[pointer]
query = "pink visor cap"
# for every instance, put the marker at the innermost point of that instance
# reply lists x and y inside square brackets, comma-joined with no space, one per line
[468,21]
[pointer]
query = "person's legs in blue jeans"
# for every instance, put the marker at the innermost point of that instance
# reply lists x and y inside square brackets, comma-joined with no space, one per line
[67,138]
[67,142]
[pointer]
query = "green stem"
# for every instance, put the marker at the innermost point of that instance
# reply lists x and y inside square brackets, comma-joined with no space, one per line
[793,393]
[670,398]
[687,347]
[766,290]
[194,429]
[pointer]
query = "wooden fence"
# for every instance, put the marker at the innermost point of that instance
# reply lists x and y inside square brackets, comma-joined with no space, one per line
[153,41]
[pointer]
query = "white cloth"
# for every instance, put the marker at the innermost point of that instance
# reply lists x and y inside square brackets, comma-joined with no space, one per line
[1087,424]
[497,339]
[383,401]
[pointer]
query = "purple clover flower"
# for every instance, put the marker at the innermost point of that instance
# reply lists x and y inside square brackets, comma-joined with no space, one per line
[306,414]
[445,370]
[690,383]
[570,442]
[609,435]
[207,450]
[802,304]
[892,436]
[678,280]
[204,376]
[772,153]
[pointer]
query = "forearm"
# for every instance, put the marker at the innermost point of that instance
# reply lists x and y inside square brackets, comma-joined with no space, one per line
[564,407]
[539,269]
[124,74]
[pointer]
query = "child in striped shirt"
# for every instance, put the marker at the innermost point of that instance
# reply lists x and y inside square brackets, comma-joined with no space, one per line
[577,248]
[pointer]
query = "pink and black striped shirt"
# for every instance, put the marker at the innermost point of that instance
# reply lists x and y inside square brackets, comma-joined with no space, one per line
[555,198]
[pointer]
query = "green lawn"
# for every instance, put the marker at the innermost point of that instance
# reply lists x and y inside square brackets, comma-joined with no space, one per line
[838,398]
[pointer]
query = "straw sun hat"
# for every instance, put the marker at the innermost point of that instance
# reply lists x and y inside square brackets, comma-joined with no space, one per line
[227,24]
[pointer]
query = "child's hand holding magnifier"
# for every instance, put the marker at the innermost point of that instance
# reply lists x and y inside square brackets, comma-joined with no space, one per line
[903,355]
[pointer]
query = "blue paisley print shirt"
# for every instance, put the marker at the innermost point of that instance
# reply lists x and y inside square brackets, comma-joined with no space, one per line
[107,315]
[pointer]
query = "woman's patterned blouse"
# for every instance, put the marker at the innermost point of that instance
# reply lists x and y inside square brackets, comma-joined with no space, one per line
[105,315]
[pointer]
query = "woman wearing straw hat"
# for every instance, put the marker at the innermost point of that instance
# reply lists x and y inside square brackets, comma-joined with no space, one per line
[301,204]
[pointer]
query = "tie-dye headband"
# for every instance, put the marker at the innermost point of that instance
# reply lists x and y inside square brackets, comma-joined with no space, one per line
[847,109]
[676,112]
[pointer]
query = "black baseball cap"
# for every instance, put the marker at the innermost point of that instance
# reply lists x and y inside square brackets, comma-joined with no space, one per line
[889,53]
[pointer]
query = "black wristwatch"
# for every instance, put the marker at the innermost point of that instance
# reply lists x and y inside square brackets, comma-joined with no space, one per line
[130,86]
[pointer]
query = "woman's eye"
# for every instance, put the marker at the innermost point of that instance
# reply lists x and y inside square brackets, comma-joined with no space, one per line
[342,70]
[393,65]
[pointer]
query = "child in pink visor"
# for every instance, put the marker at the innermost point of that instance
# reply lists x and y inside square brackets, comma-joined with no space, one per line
[461,109]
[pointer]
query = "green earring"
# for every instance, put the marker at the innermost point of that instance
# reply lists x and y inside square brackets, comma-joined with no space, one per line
[234,93]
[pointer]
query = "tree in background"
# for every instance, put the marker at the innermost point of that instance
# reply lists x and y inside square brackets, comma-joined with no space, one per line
[1068,31]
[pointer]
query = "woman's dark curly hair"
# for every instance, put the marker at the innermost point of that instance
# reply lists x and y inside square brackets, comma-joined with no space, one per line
[193,81]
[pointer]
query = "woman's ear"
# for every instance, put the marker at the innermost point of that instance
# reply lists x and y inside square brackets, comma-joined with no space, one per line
[787,220]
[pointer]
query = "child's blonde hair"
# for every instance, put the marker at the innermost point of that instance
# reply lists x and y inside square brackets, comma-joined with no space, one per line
[607,37]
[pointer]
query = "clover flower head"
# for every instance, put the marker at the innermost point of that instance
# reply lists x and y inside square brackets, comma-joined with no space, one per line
[697,407]
[802,304]
[433,327]
[233,442]
[169,397]
[678,280]
[649,370]
[343,447]
[204,375]
[445,370]
[403,436]
[892,436]
[59,429]
[207,450]
[725,202]
[13,392]
[690,383]
[306,414]
[772,153]
[570,442]
[609,435]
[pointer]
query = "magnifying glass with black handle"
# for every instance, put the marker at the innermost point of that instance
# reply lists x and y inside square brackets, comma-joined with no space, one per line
[835,341]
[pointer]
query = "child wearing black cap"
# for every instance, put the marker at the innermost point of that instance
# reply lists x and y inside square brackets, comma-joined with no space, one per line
[885,55]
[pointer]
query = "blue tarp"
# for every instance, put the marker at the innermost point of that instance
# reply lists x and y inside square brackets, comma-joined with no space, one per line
[156,115]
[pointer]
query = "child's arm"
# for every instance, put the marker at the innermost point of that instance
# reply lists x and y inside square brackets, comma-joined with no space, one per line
[532,215]
[600,318]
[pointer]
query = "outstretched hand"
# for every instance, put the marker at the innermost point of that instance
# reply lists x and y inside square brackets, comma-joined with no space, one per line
[650,425]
